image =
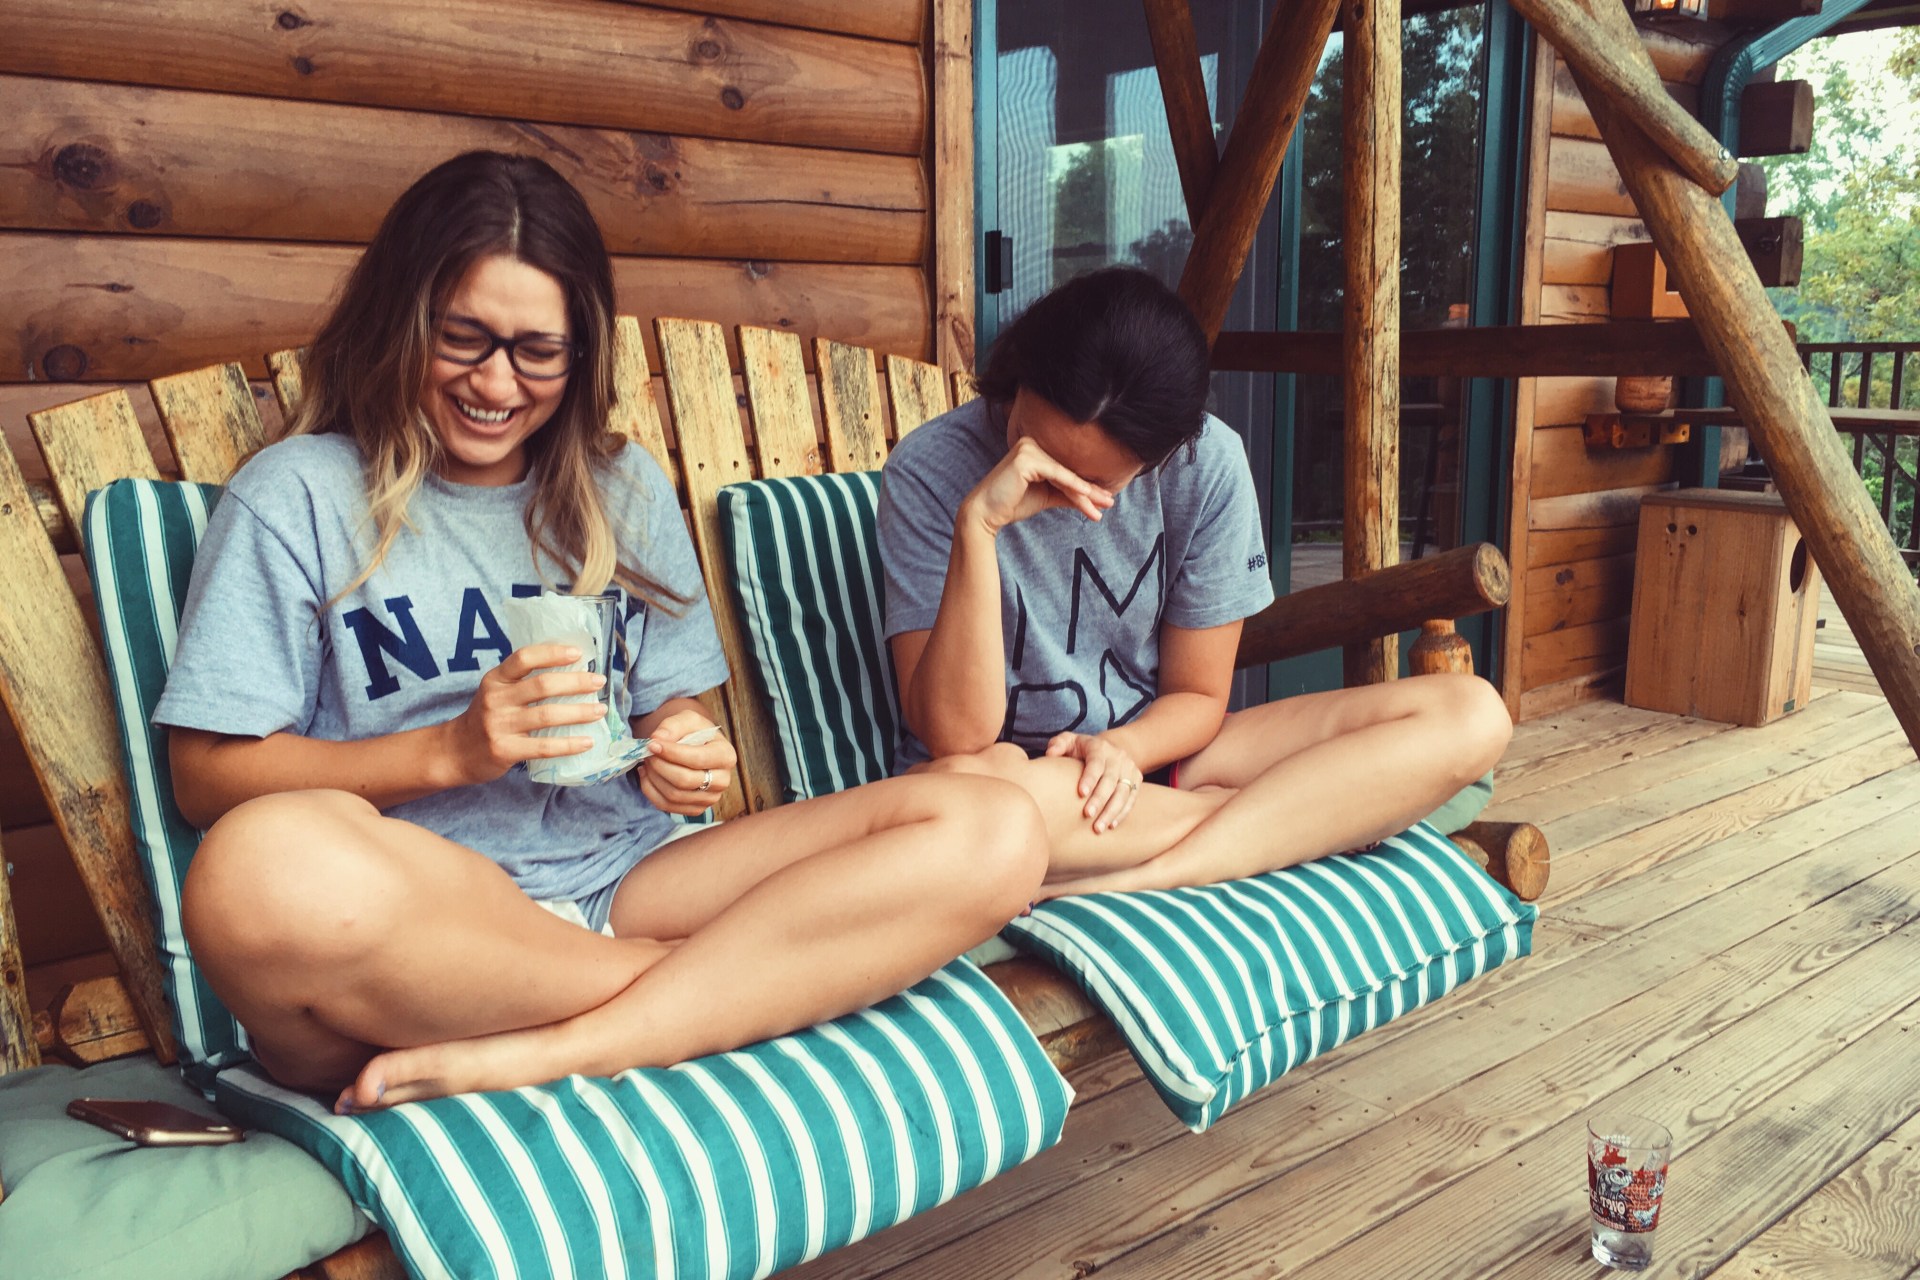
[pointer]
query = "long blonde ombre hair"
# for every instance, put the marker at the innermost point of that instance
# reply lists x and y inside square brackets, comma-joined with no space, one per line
[365,372]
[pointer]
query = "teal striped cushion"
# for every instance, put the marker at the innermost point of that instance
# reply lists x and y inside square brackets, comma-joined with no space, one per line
[140,540]
[805,567]
[1221,989]
[737,1165]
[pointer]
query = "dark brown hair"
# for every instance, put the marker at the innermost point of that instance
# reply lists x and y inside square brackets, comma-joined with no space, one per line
[1116,348]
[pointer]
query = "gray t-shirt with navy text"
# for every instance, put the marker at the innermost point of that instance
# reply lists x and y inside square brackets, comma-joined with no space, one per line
[262,652]
[1081,604]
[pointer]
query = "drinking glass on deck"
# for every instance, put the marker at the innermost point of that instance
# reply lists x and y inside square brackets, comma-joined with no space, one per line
[1626,1176]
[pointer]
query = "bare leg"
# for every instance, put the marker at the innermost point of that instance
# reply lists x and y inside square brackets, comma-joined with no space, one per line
[791,916]
[1280,784]
[331,931]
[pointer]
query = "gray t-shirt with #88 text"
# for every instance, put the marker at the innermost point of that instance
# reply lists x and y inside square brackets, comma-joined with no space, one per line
[1081,603]
[407,648]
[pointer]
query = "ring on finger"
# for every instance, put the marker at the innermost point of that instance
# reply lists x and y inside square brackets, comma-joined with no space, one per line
[1125,783]
[706,780]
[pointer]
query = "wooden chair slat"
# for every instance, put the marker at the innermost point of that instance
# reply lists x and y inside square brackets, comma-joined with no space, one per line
[210,420]
[917,391]
[86,444]
[635,415]
[850,404]
[706,421]
[53,683]
[284,366]
[964,388]
[774,365]
[90,1021]
[17,1047]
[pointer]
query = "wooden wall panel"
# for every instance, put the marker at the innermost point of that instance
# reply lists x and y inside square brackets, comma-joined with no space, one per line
[1563,464]
[82,156]
[1584,180]
[116,308]
[1573,578]
[881,19]
[55,916]
[619,66]
[1577,594]
[1575,651]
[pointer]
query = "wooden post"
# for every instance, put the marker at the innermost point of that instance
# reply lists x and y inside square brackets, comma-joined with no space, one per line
[1371,110]
[1440,650]
[1276,95]
[1634,90]
[1776,399]
[17,1048]
[953,229]
[1176,56]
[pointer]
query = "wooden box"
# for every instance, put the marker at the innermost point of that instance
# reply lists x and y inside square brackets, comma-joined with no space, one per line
[1725,597]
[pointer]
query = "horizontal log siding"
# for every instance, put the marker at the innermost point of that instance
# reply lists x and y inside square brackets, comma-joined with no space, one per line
[91,157]
[124,307]
[1574,588]
[560,61]
[184,182]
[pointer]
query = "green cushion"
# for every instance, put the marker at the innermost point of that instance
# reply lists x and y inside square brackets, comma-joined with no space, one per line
[1466,805]
[82,1204]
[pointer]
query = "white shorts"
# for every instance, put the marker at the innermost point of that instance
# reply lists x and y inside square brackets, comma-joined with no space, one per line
[595,910]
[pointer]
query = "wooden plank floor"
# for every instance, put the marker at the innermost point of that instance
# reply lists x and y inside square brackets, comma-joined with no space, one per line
[1730,943]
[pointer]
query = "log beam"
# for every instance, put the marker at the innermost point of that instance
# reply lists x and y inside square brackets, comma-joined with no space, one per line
[1514,853]
[1454,584]
[1176,56]
[1370,111]
[1277,94]
[1616,349]
[1776,119]
[1633,89]
[1776,398]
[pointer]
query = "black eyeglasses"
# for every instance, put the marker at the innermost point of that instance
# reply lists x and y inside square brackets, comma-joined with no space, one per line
[539,356]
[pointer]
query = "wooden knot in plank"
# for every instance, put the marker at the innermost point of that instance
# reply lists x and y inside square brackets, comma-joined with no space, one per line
[145,215]
[288,20]
[64,363]
[83,166]
[732,99]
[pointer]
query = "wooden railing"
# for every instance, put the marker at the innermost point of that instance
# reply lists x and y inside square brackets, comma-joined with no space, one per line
[1886,453]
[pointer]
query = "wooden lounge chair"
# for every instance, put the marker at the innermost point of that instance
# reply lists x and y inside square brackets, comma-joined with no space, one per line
[54,684]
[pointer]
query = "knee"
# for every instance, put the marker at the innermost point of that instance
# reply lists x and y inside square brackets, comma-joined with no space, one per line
[997,842]
[1001,760]
[1476,721]
[284,875]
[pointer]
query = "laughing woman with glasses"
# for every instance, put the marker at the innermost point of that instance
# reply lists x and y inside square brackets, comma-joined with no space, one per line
[390,905]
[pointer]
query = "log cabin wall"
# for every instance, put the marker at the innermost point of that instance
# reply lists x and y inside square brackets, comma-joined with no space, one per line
[1572,530]
[184,182]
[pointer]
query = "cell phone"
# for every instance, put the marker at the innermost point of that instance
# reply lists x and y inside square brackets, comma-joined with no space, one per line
[154,1124]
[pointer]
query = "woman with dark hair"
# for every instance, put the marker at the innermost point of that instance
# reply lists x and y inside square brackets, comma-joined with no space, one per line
[390,907]
[1069,561]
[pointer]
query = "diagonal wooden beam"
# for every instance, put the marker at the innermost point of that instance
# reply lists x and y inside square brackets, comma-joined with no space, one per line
[1183,87]
[1370,112]
[1775,397]
[1634,89]
[1276,95]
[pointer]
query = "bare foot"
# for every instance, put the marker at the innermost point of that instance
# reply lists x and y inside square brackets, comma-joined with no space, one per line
[501,1060]
[506,1060]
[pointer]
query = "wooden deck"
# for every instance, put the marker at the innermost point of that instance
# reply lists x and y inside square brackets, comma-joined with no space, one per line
[1731,943]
